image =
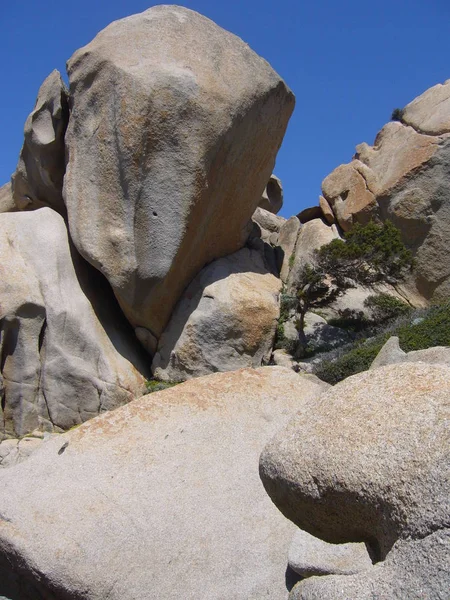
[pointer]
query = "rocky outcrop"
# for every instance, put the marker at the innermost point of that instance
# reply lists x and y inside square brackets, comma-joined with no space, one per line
[38,180]
[166,486]
[392,354]
[225,320]
[269,225]
[66,351]
[174,128]
[404,177]
[272,198]
[369,462]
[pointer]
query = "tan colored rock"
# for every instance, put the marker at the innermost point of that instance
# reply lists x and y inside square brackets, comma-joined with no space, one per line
[308,214]
[38,180]
[429,113]
[272,198]
[287,238]
[6,199]
[369,460]
[225,320]
[173,134]
[398,151]
[327,211]
[391,353]
[350,189]
[159,499]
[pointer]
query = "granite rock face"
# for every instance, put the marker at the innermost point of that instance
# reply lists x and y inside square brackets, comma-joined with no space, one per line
[6,199]
[368,461]
[225,320]
[38,180]
[404,177]
[66,351]
[168,111]
[157,499]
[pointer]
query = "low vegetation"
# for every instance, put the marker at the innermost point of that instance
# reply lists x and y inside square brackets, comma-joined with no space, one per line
[416,330]
[156,385]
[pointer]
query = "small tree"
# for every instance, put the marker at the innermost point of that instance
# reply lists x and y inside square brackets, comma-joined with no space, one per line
[370,254]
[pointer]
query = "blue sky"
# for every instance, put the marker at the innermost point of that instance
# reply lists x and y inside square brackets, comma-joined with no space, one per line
[348,62]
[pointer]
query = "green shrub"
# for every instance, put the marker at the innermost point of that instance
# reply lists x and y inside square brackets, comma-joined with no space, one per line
[431,330]
[419,330]
[155,385]
[355,361]
[385,307]
[350,320]
[397,114]
[291,260]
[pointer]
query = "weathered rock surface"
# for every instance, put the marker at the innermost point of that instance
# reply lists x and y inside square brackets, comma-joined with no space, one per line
[327,211]
[268,222]
[66,351]
[368,461]
[404,177]
[430,112]
[173,134]
[308,214]
[311,237]
[287,238]
[6,199]
[38,180]
[309,556]
[226,320]
[158,499]
[272,198]
[391,353]
[14,451]
[349,189]
[414,570]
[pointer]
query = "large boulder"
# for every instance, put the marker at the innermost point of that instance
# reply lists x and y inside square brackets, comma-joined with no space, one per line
[369,460]
[225,320]
[391,354]
[6,199]
[174,128]
[38,180]
[158,499]
[67,353]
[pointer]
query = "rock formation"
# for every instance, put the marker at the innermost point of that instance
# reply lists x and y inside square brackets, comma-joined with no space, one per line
[369,462]
[225,320]
[272,198]
[66,352]
[168,111]
[405,178]
[38,180]
[167,487]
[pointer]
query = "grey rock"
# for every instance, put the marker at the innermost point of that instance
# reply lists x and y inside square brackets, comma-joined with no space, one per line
[226,320]
[287,239]
[173,134]
[157,499]
[6,199]
[430,112]
[311,237]
[66,351]
[415,570]
[309,556]
[369,460]
[14,451]
[267,220]
[38,180]
[272,198]
[391,353]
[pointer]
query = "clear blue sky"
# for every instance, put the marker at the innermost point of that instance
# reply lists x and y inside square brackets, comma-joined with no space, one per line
[348,62]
